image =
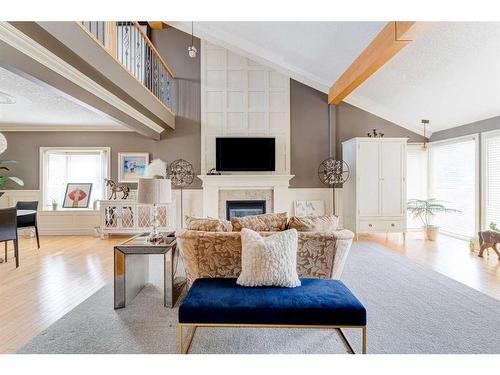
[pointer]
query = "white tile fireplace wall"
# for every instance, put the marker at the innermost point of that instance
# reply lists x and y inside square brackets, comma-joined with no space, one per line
[245,195]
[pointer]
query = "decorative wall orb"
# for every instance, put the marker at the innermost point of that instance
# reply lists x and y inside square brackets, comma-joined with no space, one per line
[181,173]
[331,171]
[3,143]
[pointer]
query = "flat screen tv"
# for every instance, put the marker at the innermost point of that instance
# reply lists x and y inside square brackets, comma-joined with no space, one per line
[245,154]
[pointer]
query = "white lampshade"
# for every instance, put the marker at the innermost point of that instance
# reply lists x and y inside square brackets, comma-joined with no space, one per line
[154,191]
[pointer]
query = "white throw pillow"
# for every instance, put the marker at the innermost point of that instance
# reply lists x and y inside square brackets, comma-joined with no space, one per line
[270,260]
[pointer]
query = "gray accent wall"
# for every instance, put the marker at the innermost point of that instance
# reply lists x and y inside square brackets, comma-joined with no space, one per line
[309,131]
[472,128]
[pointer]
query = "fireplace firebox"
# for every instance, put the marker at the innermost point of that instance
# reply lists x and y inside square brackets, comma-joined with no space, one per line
[244,208]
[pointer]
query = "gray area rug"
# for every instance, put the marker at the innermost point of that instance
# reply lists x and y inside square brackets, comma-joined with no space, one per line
[411,309]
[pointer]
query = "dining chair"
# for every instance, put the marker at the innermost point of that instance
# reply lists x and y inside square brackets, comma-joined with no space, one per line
[8,230]
[28,221]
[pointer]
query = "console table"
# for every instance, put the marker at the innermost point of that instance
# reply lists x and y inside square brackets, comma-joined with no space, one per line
[131,268]
[129,217]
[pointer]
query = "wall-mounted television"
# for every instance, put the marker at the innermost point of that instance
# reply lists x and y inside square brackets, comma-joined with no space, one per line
[245,154]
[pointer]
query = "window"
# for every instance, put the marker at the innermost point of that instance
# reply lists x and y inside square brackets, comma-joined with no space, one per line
[59,166]
[491,178]
[453,179]
[416,177]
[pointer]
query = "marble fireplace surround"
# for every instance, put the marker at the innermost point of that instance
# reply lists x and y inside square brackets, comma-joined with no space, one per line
[270,187]
[245,195]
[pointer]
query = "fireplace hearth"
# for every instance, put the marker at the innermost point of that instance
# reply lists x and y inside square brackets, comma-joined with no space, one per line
[245,208]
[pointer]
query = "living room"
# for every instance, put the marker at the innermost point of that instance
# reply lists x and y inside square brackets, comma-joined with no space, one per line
[208,187]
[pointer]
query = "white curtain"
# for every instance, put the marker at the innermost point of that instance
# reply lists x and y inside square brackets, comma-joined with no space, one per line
[491,178]
[416,178]
[452,178]
[77,166]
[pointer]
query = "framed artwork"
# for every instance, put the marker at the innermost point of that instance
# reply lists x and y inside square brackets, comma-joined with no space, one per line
[77,195]
[309,208]
[131,165]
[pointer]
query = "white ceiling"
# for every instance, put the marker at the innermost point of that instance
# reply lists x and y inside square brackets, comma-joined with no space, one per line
[450,74]
[39,107]
[314,53]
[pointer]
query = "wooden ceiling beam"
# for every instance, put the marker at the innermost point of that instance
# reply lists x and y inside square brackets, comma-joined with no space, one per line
[389,41]
[157,25]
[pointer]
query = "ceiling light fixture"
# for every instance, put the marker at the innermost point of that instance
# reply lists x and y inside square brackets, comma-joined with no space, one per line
[6,98]
[425,123]
[192,51]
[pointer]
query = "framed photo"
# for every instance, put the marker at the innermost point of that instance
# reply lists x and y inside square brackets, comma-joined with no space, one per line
[309,208]
[77,195]
[131,165]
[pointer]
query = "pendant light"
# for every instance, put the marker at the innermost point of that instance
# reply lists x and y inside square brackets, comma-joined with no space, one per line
[192,51]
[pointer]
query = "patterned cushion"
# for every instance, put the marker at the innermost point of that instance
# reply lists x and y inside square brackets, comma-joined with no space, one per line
[327,223]
[270,260]
[208,224]
[261,223]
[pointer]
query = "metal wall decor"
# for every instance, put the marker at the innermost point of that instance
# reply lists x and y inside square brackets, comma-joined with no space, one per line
[331,171]
[181,173]
[375,134]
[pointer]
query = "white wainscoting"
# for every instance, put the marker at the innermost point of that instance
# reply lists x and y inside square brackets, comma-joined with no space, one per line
[61,222]
[240,98]
[83,222]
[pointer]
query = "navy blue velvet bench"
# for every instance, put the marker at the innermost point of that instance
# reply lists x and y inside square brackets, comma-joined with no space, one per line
[318,303]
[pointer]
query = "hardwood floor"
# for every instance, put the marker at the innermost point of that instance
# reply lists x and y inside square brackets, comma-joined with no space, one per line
[49,282]
[67,270]
[449,256]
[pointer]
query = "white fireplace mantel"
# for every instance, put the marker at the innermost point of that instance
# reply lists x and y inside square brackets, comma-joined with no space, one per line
[213,183]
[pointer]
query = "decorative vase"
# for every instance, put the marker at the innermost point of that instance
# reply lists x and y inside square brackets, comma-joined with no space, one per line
[54,206]
[431,233]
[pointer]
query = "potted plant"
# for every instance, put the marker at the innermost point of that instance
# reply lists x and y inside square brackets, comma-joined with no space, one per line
[3,179]
[54,204]
[425,210]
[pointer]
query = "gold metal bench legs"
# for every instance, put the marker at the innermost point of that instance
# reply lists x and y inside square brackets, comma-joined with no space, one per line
[185,350]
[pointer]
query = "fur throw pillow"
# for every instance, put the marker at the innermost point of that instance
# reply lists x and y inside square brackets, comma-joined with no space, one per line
[270,260]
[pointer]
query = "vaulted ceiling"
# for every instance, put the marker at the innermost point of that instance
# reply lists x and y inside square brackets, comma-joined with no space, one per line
[449,74]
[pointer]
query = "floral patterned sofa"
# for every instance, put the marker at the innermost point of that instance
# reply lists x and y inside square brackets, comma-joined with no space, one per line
[216,253]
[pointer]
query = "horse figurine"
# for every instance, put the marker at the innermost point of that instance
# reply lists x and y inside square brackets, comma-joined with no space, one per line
[115,189]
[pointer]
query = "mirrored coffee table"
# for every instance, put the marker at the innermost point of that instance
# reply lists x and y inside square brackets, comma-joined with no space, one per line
[132,268]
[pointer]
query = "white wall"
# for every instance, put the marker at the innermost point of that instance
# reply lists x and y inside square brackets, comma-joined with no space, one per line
[241,98]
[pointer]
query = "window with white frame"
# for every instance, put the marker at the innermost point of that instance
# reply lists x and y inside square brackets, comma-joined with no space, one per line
[491,178]
[60,166]
[453,179]
[416,177]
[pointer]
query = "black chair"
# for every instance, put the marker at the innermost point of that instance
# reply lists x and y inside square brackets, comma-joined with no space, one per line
[28,221]
[8,230]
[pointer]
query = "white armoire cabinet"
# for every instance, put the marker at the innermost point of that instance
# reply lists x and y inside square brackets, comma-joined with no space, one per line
[375,193]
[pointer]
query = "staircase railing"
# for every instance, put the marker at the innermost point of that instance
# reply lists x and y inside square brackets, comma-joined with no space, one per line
[129,44]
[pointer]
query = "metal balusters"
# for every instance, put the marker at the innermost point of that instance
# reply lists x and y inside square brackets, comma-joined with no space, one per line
[128,43]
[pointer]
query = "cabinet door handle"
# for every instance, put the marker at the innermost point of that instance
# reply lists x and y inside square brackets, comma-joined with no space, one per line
[370,225]
[392,224]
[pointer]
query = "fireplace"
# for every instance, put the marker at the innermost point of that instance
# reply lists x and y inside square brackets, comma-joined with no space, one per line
[245,208]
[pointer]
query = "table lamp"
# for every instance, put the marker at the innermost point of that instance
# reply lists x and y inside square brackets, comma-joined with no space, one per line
[154,191]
